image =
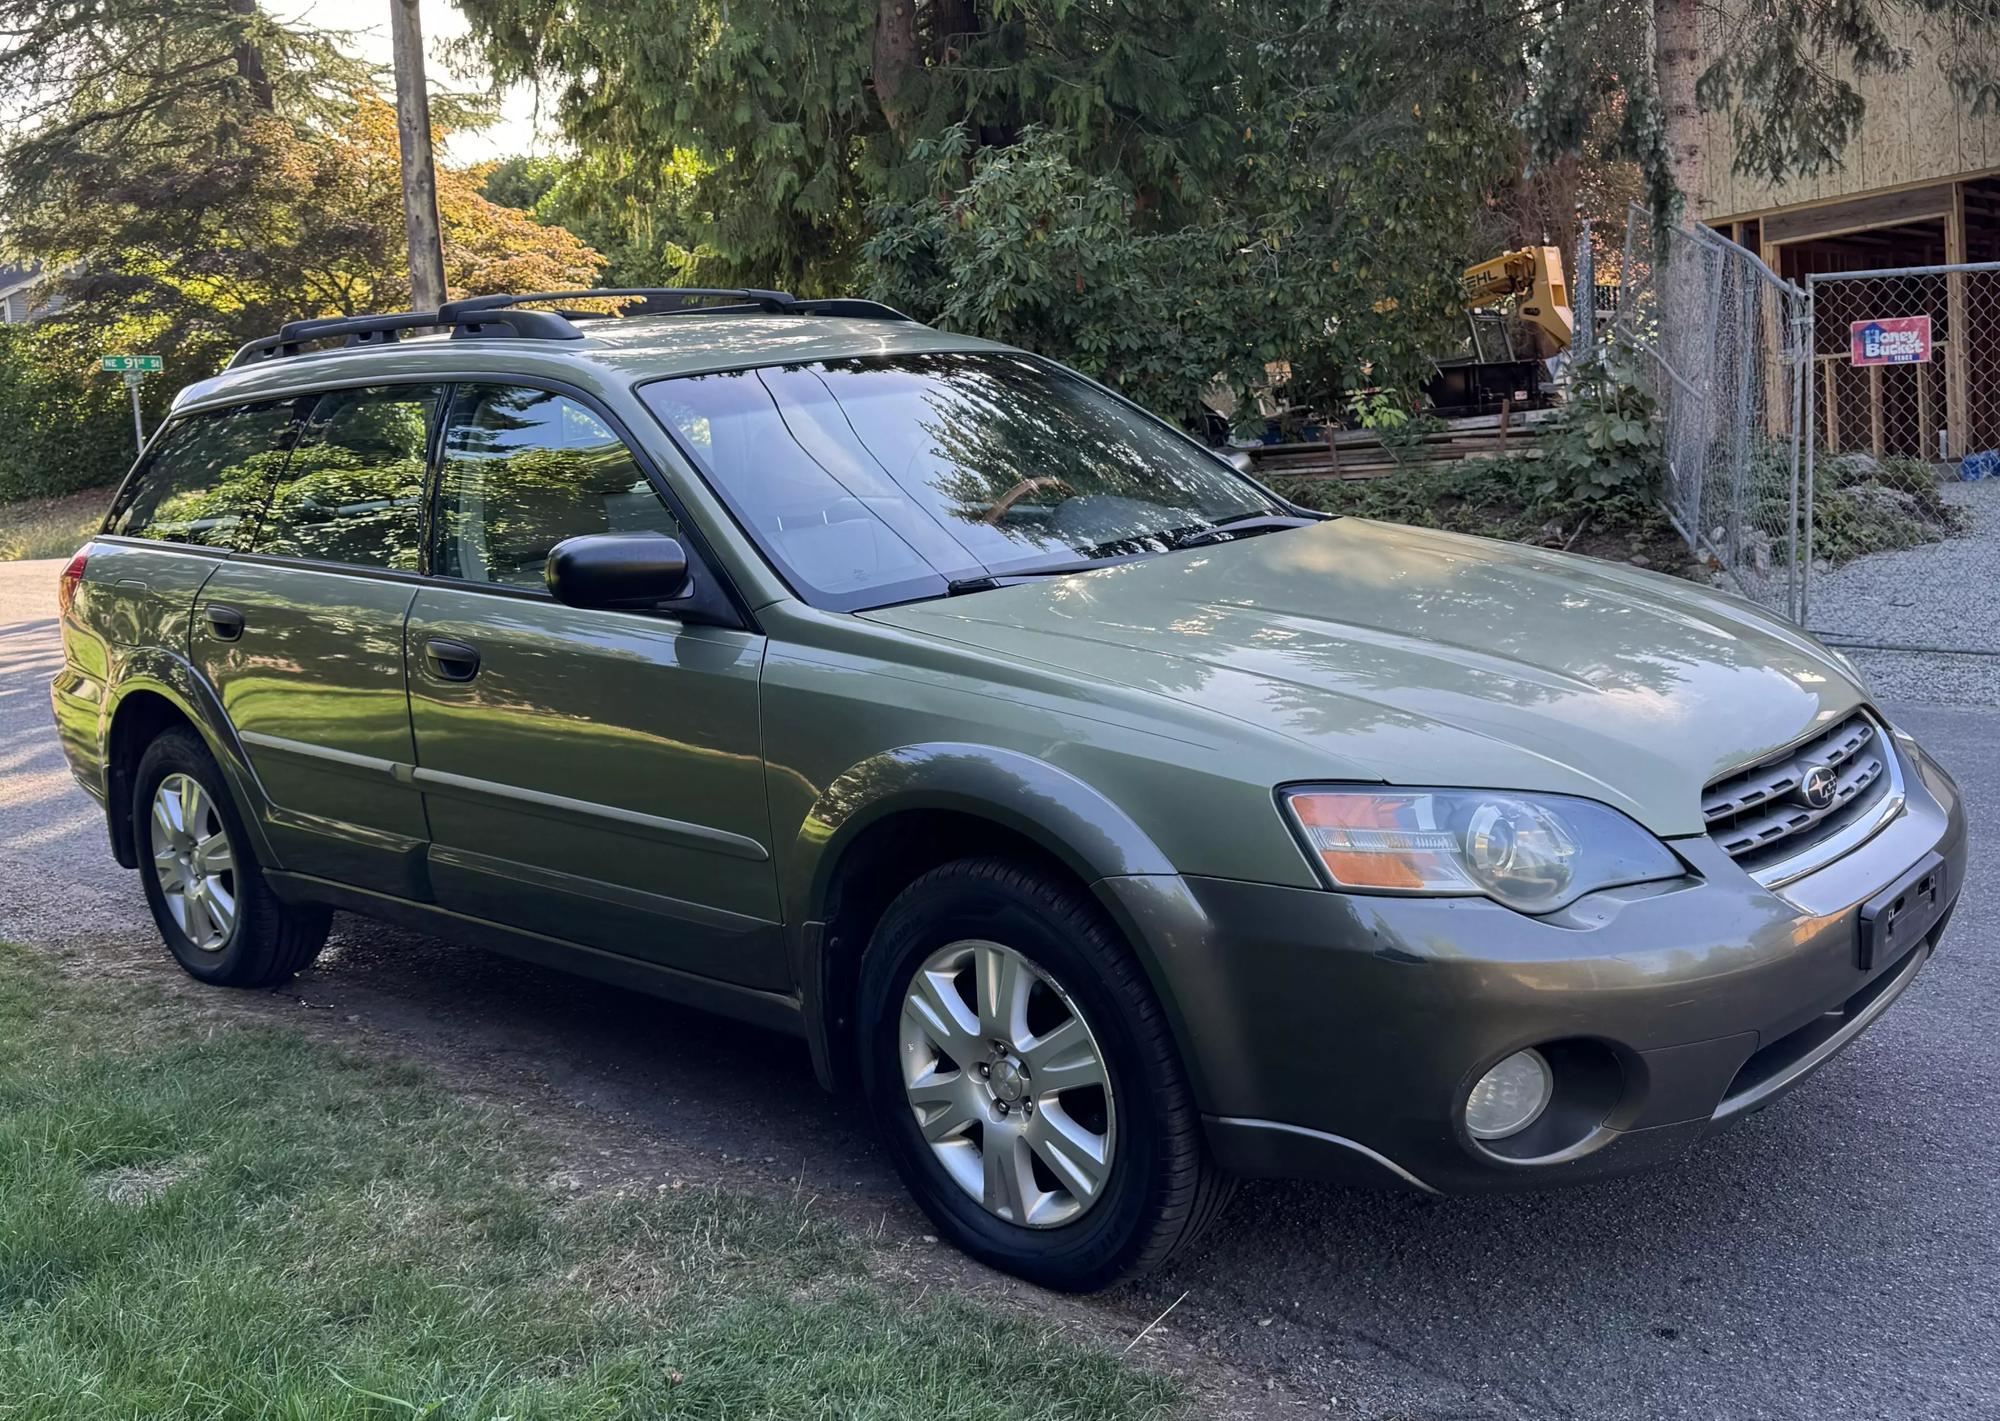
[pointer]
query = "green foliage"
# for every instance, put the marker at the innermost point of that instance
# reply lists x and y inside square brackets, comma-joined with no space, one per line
[1380,412]
[1162,196]
[1862,504]
[1606,439]
[1508,497]
[50,527]
[1034,251]
[67,425]
[648,225]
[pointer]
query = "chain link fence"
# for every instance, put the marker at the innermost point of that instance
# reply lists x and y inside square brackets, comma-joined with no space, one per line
[1719,339]
[1905,389]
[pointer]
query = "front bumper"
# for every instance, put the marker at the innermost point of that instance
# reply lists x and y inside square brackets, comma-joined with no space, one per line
[1336,1035]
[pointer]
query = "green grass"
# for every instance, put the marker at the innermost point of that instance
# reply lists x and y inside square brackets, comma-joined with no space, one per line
[203,1219]
[50,527]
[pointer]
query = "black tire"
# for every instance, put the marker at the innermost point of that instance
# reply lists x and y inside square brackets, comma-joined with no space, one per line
[1163,1189]
[270,941]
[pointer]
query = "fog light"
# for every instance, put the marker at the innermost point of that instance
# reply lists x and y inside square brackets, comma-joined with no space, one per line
[1510,1097]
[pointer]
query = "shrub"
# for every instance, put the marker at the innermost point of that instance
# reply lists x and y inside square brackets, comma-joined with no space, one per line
[1605,441]
[1862,504]
[64,425]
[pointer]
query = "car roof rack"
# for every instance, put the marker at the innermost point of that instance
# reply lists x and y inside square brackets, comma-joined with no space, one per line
[506,317]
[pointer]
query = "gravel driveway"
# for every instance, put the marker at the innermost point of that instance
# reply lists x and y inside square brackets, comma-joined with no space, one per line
[1837,1255]
[1941,600]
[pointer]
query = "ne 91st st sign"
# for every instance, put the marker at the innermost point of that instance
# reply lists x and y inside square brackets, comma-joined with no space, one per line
[1890,340]
[132,364]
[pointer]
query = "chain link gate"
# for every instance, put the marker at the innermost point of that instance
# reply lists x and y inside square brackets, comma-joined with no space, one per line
[1719,340]
[1905,381]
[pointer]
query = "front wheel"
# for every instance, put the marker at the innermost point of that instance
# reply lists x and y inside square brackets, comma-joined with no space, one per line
[209,898]
[1026,1082]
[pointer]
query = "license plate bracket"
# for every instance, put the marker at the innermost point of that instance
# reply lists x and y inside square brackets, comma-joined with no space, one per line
[1901,915]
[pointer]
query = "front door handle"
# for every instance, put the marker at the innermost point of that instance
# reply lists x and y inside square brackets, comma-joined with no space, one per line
[224,623]
[451,660]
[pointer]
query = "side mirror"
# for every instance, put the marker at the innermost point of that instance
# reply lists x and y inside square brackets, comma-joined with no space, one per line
[617,571]
[1239,460]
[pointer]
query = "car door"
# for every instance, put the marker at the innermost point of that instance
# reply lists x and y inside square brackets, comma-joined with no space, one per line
[302,635]
[590,775]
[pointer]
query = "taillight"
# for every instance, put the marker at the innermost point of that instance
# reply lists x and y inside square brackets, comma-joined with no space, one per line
[72,577]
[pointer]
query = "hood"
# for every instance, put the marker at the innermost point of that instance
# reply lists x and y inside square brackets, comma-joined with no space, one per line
[1407,656]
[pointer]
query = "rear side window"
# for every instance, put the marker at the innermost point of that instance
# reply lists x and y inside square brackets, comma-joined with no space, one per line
[524,469]
[353,491]
[207,478]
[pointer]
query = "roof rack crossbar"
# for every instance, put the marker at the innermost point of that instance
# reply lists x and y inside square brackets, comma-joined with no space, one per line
[651,300]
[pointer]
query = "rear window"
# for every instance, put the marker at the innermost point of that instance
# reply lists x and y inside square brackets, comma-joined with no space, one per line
[353,490]
[207,478]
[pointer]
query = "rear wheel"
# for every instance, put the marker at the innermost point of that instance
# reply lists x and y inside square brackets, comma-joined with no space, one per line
[207,894]
[1025,1079]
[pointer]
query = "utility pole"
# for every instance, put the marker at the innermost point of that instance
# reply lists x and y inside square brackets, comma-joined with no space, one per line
[413,133]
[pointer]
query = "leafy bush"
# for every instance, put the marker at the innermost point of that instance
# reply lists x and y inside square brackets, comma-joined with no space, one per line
[1606,439]
[1499,498]
[1862,504]
[64,426]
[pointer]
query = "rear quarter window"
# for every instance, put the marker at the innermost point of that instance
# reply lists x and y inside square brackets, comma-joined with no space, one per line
[207,478]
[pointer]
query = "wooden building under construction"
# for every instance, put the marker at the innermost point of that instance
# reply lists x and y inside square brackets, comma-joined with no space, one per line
[1919,187]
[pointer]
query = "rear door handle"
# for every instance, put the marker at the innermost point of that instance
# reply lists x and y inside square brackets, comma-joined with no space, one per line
[451,660]
[224,623]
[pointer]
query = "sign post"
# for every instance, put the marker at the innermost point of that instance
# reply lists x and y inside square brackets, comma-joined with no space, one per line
[135,368]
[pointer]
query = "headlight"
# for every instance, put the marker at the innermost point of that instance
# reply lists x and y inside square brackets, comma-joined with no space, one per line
[1532,852]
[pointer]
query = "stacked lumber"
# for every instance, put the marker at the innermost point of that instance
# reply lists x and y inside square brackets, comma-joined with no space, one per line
[1360,454]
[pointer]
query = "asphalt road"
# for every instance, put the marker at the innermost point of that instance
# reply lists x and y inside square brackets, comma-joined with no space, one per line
[1837,1255]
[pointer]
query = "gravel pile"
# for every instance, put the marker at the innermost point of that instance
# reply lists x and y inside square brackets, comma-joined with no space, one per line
[1943,598]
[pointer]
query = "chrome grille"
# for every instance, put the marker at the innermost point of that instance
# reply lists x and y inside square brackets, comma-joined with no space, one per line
[1760,819]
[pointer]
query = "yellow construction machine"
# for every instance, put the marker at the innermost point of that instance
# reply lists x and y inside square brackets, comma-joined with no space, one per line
[1517,316]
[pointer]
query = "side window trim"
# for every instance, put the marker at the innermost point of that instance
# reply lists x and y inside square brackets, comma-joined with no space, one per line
[692,537]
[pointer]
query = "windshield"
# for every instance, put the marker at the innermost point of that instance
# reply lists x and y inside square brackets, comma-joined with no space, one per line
[889,478]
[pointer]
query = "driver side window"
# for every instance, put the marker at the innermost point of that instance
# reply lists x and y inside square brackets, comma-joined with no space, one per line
[524,469]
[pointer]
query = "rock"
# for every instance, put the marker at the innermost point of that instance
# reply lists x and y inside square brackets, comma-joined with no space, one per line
[1640,560]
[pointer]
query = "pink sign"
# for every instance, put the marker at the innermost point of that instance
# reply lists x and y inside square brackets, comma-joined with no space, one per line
[1892,340]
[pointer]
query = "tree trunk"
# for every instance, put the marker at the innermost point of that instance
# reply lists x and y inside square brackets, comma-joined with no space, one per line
[413,134]
[953,22]
[897,61]
[1677,64]
[250,61]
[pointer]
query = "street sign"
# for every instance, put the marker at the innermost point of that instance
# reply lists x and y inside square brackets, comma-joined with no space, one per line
[1891,340]
[143,364]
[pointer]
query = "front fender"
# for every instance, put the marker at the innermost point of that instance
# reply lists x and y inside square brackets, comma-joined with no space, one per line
[1061,814]
[173,678]
[1050,807]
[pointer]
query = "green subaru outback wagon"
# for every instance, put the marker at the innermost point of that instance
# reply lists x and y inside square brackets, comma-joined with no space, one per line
[1114,826]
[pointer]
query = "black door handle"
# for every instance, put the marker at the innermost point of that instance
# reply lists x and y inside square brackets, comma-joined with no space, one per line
[224,623]
[451,660]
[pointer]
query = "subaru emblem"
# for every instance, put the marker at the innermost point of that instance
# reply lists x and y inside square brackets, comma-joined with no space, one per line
[1817,785]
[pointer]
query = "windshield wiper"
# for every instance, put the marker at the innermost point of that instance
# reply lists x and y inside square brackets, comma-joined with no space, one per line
[1246,525]
[987,581]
